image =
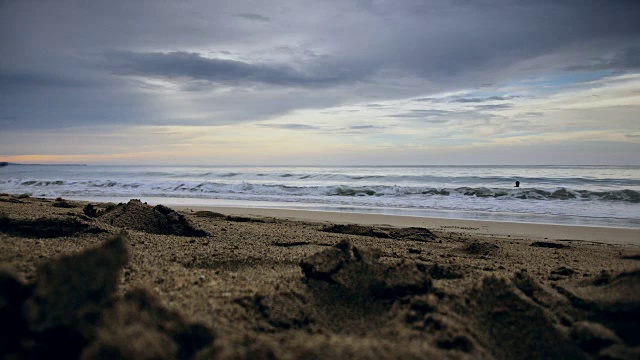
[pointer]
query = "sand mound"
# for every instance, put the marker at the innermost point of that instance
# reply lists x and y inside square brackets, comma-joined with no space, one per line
[13,294]
[90,210]
[62,203]
[514,326]
[139,327]
[593,337]
[480,248]
[277,311]
[360,270]
[159,219]
[440,272]
[45,227]
[536,291]
[612,300]
[412,233]
[71,311]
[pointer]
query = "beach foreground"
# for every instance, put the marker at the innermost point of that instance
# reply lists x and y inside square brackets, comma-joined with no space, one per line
[141,282]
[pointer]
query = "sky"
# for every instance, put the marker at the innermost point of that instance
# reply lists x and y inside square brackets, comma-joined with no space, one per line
[322,82]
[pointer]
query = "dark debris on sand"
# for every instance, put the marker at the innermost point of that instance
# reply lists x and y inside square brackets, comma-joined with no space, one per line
[158,219]
[46,227]
[234,218]
[410,233]
[544,244]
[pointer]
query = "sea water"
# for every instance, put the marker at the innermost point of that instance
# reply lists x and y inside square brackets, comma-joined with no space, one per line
[584,195]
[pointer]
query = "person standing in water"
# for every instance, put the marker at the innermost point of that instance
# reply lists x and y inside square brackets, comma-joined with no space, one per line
[517,183]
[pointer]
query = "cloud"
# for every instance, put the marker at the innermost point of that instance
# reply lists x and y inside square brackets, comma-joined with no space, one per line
[493,106]
[421,114]
[290,126]
[426,99]
[194,66]
[364,127]
[253,17]
[405,66]
[626,59]
[35,79]
[481,100]
[466,100]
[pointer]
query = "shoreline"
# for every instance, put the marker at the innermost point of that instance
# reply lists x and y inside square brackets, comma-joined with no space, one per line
[606,235]
[444,214]
[613,235]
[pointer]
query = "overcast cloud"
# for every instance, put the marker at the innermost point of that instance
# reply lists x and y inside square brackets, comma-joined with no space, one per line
[417,72]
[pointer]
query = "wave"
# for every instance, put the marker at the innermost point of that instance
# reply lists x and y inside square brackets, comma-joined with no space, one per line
[450,177]
[418,179]
[198,188]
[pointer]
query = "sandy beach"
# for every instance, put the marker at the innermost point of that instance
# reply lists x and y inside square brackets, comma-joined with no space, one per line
[607,235]
[131,280]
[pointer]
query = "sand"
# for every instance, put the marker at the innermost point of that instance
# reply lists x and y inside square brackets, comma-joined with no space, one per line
[624,236]
[141,282]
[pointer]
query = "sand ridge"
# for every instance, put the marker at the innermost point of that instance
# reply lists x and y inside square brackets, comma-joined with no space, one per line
[273,288]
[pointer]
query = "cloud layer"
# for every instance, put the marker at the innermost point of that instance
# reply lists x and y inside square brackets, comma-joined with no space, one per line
[410,75]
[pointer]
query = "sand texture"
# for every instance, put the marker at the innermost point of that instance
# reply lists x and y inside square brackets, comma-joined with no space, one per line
[134,281]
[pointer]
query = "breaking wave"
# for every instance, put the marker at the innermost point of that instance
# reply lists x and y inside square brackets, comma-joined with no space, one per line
[211,189]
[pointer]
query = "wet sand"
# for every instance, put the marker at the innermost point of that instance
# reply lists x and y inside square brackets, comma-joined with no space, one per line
[608,235]
[136,281]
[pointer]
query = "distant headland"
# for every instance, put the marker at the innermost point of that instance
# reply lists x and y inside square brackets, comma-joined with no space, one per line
[4,163]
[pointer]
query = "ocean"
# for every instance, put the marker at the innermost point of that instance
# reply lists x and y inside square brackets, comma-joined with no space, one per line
[572,195]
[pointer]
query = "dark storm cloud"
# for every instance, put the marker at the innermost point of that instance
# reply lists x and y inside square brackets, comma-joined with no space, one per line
[475,43]
[254,17]
[196,67]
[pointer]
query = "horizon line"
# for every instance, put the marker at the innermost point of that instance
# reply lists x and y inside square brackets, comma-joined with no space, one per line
[2,163]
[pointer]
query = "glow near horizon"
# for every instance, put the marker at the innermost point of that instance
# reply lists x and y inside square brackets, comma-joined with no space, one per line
[333,132]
